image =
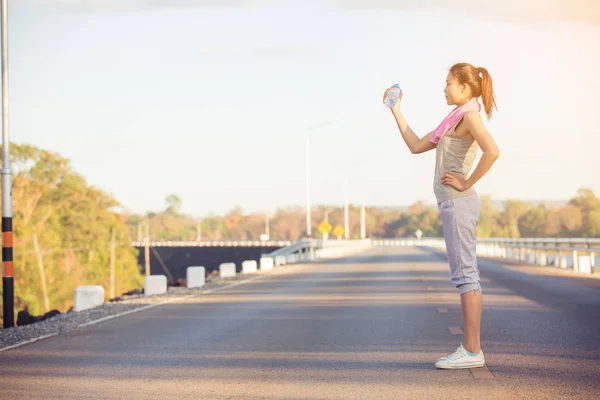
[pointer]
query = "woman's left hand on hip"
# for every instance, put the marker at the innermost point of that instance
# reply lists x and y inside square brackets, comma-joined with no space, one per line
[457,181]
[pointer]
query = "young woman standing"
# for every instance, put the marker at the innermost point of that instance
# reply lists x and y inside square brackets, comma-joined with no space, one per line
[456,141]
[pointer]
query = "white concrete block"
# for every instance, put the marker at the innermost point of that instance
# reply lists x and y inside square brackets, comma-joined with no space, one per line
[531,258]
[266,263]
[88,296]
[227,270]
[542,259]
[562,261]
[195,277]
[155,284]
[249,267]
[585,264]
[280,260]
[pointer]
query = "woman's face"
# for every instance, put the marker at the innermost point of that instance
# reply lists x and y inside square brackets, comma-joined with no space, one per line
[454,91]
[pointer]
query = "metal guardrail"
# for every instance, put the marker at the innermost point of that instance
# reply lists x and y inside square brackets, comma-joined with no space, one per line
[302,250]
[214,243]
[306,250]
[556,244]
[577,253]
[552,244]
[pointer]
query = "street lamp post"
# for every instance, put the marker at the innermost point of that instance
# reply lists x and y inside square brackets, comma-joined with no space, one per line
[346,222]
[363,228]
[308,223]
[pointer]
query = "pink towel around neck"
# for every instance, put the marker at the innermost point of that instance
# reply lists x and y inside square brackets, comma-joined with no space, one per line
[453,118]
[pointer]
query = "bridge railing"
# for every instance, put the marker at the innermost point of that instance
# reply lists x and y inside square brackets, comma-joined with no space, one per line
[581,254]
[213,243]
[307,250]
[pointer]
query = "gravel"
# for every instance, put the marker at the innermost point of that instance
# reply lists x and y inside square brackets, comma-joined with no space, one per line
[66,322]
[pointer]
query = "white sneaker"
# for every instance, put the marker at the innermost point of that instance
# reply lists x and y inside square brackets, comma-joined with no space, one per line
[461,359]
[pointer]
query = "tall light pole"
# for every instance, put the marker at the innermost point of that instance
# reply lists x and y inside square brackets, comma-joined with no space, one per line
[267,228]
[363,227]
[307,172]
[346,233]
[307,162]
[8,288]
[326,235]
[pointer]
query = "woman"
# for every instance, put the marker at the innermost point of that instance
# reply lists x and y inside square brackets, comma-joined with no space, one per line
[456,141]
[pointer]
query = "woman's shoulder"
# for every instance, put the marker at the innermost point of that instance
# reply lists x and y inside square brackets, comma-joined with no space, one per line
[472,117]
[471,121]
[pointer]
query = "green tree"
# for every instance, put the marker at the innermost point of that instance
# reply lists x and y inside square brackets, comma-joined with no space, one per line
[533,223]
[173,203]
[589,205]
[73,223]
[564,221]
[488,218]
[510,216]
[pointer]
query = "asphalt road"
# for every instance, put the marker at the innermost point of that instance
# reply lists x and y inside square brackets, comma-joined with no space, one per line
[366,327]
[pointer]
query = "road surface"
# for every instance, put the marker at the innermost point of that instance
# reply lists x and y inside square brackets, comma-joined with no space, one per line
[365,327]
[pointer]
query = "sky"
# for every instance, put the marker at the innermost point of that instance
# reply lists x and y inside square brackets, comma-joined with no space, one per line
[214,100]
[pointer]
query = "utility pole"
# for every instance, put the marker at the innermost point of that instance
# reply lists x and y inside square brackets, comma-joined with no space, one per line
[346,233]
[363,228]
[147,249]
[307,172]
[8,288]
[308,225]
[38,253]
[112,262]
[326,235]
[267,228]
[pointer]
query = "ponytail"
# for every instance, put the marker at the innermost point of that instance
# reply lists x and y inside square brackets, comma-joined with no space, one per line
[487,92]
[480,82]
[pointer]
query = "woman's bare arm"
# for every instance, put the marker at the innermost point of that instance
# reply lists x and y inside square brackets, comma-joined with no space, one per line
[415,144]
[487,144]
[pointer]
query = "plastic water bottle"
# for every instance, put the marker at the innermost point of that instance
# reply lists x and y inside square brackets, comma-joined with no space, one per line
[392,96]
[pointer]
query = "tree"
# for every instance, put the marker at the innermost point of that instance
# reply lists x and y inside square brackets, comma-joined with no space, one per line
[533,224]
[517,219]
[564,222]
[509,218]
[488,218]
[173,203]
[72,222]
[589,205]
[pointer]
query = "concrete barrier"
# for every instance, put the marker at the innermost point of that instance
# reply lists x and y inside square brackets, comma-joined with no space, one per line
[195,277]
[280,260]
[542,259]
[531,258]
[155,284]
[88,296]
[291,258]
[227,270]
[584,264]
[561,261]
[249,267]
[266,263]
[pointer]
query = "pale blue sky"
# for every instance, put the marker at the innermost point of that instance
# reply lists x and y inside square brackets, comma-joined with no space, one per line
[212,102]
